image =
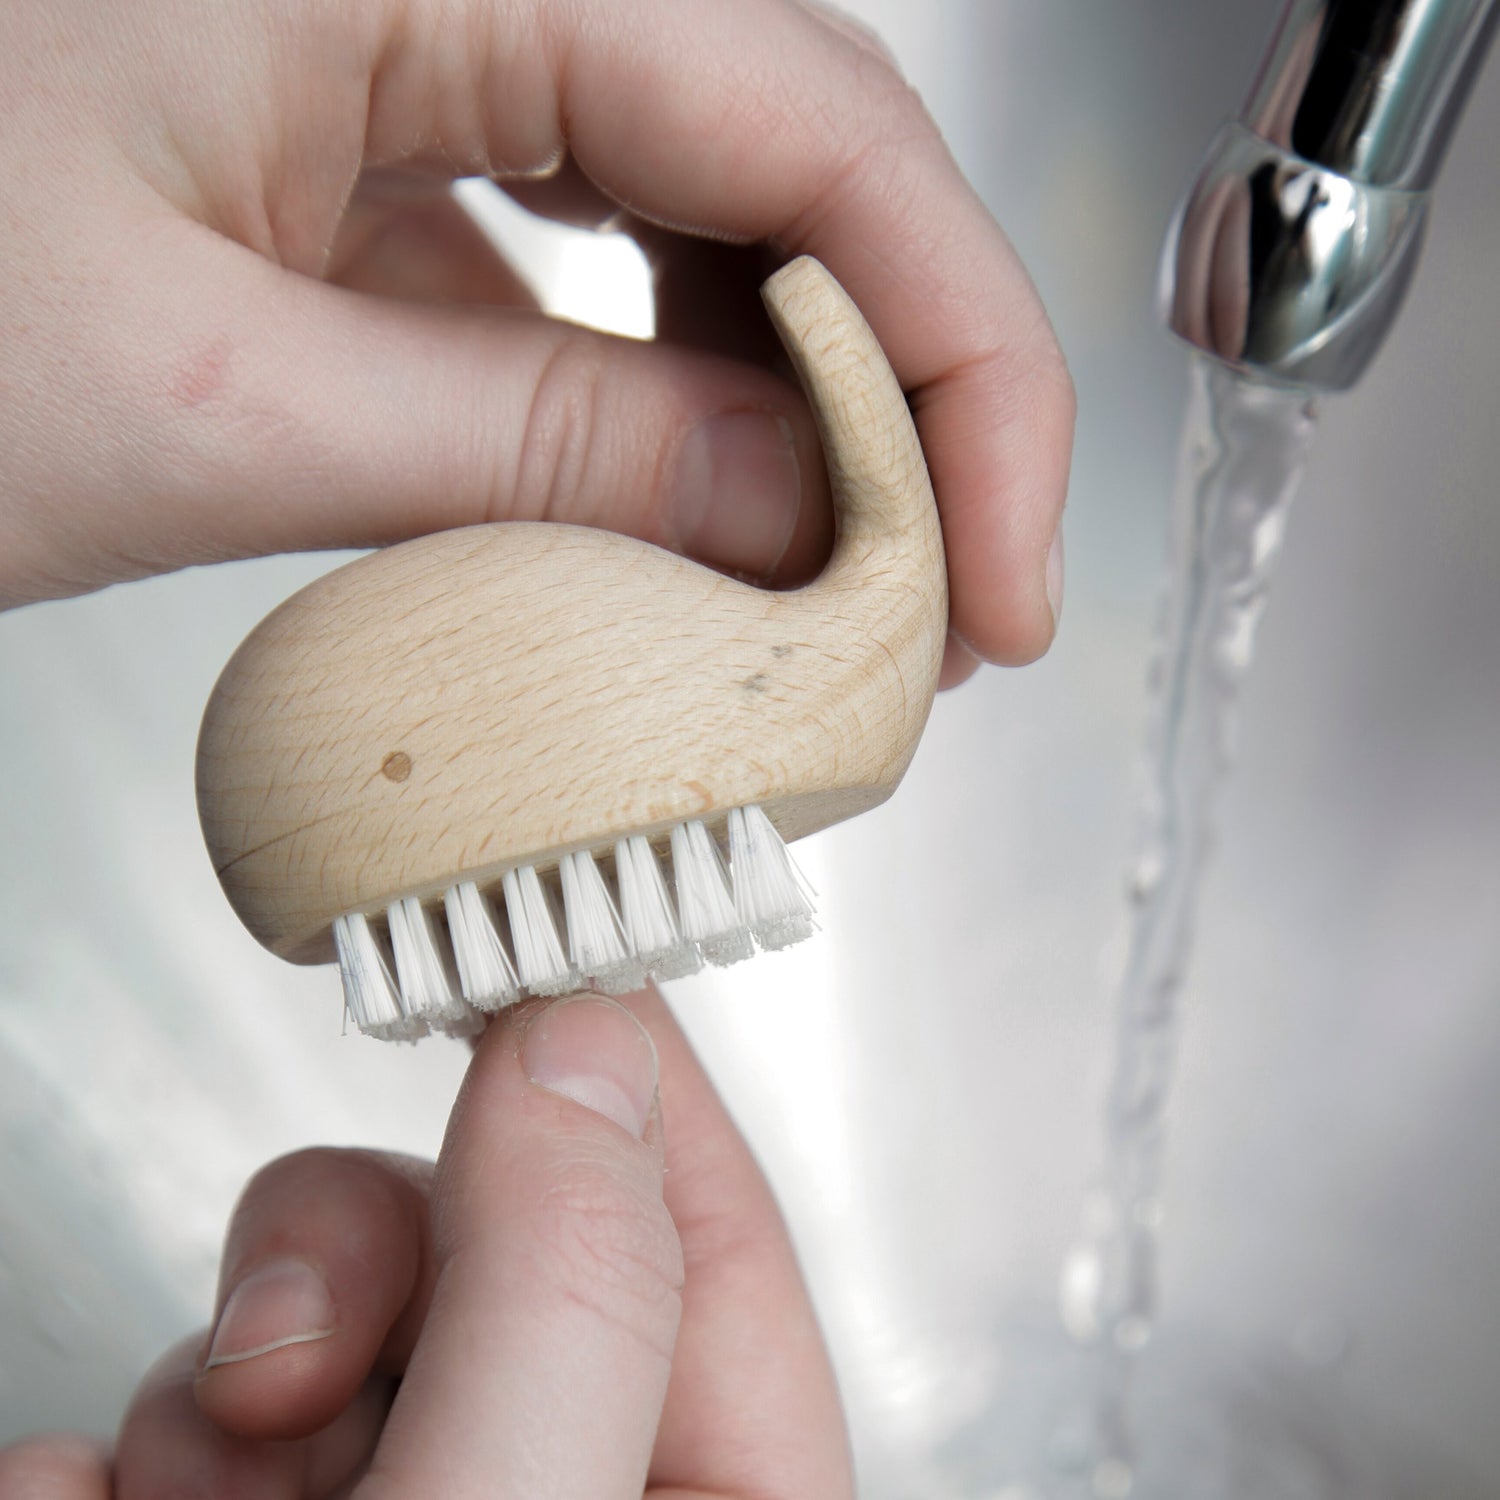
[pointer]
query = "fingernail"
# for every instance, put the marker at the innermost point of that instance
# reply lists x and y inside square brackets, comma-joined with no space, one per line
[595,1052]
[738,490]
[1055,576]
[280,1303]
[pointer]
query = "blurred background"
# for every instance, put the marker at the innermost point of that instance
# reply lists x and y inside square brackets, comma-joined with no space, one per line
[924,1081]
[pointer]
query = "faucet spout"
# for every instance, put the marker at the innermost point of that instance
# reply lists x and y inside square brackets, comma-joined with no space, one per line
[1291,253]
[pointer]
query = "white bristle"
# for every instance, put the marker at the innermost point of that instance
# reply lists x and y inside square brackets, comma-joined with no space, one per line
[769,897]
[421,966]
[720,914]
[704,904]
[540,959]
[596,939]
[484,968]
[646,909]
[369,991]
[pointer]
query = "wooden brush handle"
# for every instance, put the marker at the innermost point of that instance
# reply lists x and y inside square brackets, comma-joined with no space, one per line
[499,695]
[882,497]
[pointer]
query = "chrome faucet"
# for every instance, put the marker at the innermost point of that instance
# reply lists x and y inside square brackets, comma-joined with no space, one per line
[1292,251]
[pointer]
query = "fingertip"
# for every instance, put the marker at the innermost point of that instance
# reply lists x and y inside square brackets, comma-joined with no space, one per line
[1025,635]
[324,1259]
[1054,578]
[999,607]
[264,1373]
[812,537]
[959,664]
[737,491]
[592,1050]
[585,1050]
[1002,488]
[286,1393]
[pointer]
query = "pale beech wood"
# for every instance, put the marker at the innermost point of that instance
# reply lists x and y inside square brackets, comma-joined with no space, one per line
[499,695]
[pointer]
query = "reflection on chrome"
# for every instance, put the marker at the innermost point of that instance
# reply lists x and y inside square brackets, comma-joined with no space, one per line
[1293,249]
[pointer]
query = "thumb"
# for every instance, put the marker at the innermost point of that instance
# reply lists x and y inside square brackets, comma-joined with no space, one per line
[542,1367]
[246,409]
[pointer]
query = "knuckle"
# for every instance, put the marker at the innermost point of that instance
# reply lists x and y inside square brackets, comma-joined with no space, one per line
[1059,392]
[856,31]
[325,1196]
[1027,381]
[310,1167]
[881,156]
[612,1249]
[561,426]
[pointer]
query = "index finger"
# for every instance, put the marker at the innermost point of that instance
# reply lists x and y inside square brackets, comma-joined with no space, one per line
[759,120]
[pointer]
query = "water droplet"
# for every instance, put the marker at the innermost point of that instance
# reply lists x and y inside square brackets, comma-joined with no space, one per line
[1145,879]
[1078,1291]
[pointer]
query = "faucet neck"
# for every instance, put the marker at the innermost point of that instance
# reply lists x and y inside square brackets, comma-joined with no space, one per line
[1370,89]
[1291,253]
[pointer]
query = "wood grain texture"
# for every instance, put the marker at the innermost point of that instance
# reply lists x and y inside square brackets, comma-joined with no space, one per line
[499,695]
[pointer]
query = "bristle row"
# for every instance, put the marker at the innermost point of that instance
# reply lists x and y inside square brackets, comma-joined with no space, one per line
[440,971]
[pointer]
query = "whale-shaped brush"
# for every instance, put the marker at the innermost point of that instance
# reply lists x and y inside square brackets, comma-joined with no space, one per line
[512,758]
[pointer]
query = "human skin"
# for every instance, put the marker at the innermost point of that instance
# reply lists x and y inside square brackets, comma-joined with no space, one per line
[205,204]
[241,315]
[591,1295]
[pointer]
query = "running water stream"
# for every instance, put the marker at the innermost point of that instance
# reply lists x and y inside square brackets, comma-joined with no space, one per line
[1244,447]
